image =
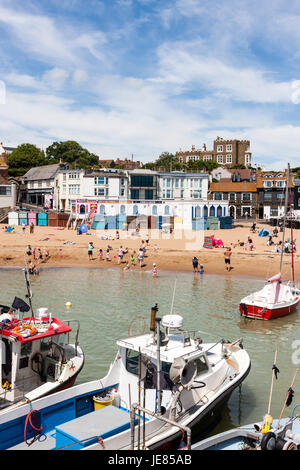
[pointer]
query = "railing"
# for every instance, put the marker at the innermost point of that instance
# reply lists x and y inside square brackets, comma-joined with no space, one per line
[135,407]
[77,332]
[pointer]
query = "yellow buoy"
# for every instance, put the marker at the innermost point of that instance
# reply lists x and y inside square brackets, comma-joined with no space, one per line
[69,304]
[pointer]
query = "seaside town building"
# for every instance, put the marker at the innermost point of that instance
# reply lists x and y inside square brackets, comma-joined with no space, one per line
[38,186]
[296,202]
[226,152]
[180,186]
[271,187]
[239,189]
[143,185]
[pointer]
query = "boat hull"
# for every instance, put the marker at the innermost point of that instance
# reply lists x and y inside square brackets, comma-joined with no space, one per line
[202,424]
[266,313]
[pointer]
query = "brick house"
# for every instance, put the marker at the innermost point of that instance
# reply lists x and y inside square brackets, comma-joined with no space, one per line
[241,197]
[226,152]
[271,186]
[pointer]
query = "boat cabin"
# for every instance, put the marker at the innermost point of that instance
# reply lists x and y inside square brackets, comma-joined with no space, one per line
[32,353]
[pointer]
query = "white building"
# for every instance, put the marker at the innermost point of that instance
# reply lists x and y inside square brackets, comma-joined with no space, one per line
[182,186]
[68,187]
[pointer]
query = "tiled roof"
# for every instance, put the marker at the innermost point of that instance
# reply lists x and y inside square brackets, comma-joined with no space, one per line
[41,172]
[230,187]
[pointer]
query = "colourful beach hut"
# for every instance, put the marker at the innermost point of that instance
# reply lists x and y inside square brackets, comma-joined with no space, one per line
[42,219]
[98,222]
[23,218]
[13,218]
[32,218]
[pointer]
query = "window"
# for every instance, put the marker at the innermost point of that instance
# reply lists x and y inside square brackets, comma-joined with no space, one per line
[64,188]
[268,184]
[207,158]
[154,210]
[219,148]
[268,196]
[229,158]
[148,193]
[135,210]
[218,196]
[247,158]
[246,196]
[99,192]
[229,148]
[167,210]
[141,181]
[132,361]
[168,182]
[40,184]
[196,194]
[74,188]
[231,196]
[122,181]
[182,193]
[177,183]
[280,184]
[135,194]
[280,196]
[64,177]
[74,175]
[122,210]
[100,180]
[220,158]
[5,190]
[122,192]
[201,364]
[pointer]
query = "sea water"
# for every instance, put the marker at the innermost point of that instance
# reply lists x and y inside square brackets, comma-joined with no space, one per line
[112,304]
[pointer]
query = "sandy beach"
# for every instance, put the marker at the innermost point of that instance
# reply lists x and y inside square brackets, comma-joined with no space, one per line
[170,252]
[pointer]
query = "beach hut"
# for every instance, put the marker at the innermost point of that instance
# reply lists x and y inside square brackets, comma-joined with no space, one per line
[42,219]
[121,222]
[23,218]
[199,224]
[213,223]
[58,219]
[111,222]
[32,218]
[13,218]
[226,222]
[98,222]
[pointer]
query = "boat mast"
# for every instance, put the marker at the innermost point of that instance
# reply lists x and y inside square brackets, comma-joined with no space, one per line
[292,239]
[285,211]
[29,293]
[158,390]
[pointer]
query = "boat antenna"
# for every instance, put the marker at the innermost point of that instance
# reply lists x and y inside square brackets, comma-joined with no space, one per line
[285,211]
[292,239]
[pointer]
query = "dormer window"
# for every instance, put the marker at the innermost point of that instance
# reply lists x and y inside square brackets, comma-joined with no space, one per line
[268,184]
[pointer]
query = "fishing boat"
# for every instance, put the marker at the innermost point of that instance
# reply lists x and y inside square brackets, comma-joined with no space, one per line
[162,386]
[36,356]
[250,437]
[269,434]
[277,298]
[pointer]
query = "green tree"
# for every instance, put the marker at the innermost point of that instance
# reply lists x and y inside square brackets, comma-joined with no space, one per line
[24,157]
[71,152]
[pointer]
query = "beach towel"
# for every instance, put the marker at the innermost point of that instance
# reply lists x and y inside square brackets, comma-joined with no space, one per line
[9,229]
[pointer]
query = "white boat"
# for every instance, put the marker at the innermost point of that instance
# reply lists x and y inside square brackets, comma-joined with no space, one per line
[250,437]
[36,355]
[167,382]
[276,299]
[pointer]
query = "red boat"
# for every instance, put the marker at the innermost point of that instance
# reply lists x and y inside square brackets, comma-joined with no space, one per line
[276,299]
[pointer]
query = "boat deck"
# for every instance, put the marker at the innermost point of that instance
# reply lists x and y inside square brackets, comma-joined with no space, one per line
[83,431]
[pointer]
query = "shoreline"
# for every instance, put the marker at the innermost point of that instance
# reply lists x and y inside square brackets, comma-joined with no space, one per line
[170,253]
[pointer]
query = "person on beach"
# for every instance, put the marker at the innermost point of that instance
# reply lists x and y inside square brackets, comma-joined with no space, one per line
[117,235]
[147,239]
[195,264]
[90,250]
[107,255]
[141,257]
[120,254]
[132,259]
[127,267]
[100,254]
[154,270]
[29,250]
[31,228]
[227,256]
[201,270]
[23,227]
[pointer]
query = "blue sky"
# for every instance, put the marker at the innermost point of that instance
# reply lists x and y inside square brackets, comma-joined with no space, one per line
[142,77]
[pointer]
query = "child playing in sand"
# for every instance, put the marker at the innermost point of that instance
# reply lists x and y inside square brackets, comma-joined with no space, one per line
[107,255]
[132,259]
[100,254]
[90,250]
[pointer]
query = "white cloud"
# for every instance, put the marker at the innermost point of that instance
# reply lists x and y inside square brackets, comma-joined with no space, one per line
[55,77]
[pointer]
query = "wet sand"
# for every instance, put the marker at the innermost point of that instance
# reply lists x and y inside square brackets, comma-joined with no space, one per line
[170,252]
